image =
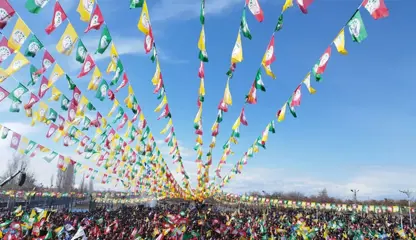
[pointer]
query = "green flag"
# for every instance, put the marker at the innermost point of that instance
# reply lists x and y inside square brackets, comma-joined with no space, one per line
[71,84]
[91,107]
[53,115]
[34,6]
[279,24]
[244,26]
[4,132]
[17,93]
[136,4]
[202,13]
[119,114]
[30,146]
[102,90]
[203,56]
[105,40]
[259,82]
[34,76]
[86,124]
[119,71]
[357,28]
[34,46]
[64,102]
[81,52]
[15,107]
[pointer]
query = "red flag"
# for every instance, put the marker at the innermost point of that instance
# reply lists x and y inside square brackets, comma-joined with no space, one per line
[123,83]
[96,20]
[43,87]
[201,71]
[33,99]
[111,95]
[3,94]
[297,96]
[304,4]
[59,16]
[255,9]
[14,143]
[52,130]
[158,86]
[72,111]
[123,121]
[7,14]
[269,56]
[47,61]
[165,113]
[222,106]
[243,119]
[251,98]
[76,95]
[148,41]
[61,121]
[323,61]
[87,66]
[377,8]
[5,50]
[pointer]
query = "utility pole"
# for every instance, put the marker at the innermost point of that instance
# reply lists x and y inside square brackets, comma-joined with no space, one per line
[354,191]
[409,198]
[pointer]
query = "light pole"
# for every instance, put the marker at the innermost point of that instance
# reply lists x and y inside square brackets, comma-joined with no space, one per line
[354,191]
[409,197]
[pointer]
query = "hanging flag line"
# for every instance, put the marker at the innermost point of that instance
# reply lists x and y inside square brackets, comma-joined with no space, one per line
[200,101]
[251,98]
[63,161]
[32,92]
[29,29]
[358,33]
[145,27]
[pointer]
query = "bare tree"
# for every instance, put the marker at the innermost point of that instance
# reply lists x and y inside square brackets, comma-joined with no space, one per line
[323,195]
[91,186]
[14,164]
[66,179]
[52,179]
[82,186]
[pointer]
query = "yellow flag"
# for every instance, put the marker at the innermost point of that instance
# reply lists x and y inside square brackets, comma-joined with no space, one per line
[198,115]
[168,125]
[111,67]
[67,41]
[339,42]
[43,108]
[19,35]
[288,4]
[56,73]
[113,52]
[130,90]
[104,123]
[201,41]
[307,82]
[95,79]
[17,63]
[144,21]
[3,75]
[129,125]
[56,94]
[237,54]
[115,105]
[227,94]
[82,105]
[156,76]
[35,117]
[162,104]
[202,88]
[268,70]
[236,124]
[281,113]
[84,9]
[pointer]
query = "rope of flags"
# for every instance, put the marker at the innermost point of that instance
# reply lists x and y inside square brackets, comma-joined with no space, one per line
[144,26]
[265,201]
[48,60]
[237,57]
[355,25]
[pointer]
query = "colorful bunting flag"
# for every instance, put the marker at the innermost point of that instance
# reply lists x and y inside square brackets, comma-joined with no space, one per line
[255,9]
[105,40]
[97,19]
[357,28]
[8,13]
[144,21]
[376,8]
[34,46]
[87,66]
[59,16]
[237,54]
[84,9]
[19,35]
[67,41]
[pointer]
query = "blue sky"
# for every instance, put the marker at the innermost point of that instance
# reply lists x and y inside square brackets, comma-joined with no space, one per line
[355,132]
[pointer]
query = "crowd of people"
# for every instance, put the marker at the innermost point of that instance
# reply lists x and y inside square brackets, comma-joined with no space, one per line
[172,221]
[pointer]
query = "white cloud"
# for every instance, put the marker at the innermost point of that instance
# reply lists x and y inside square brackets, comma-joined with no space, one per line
[372,182]
[187,9]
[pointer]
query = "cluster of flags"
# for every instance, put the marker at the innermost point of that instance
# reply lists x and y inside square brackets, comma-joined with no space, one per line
[107,148]
[355,26]
[245,199]
[144,26]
